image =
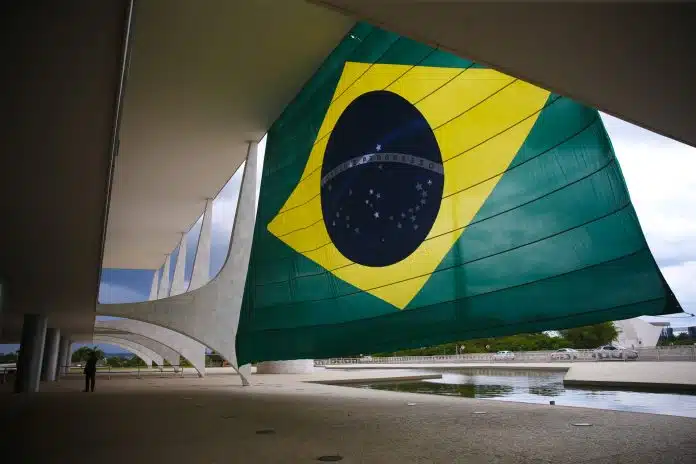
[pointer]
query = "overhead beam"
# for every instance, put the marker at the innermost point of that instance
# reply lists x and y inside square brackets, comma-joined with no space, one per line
[631,60]
[62,74]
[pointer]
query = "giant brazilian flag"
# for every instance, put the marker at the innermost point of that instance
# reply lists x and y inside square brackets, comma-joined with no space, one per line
[411,197]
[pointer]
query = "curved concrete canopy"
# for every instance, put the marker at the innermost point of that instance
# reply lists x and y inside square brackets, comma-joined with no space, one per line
[140,351]
[632,60]
[147,355]
[164,351]
[210,313]
[189,348]
[205,78]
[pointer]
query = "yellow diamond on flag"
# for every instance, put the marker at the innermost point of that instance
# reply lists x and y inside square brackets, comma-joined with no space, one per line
[479,119]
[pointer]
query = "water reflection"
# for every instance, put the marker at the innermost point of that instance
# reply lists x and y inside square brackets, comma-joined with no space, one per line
[466,390]
[540,387]
[545,390]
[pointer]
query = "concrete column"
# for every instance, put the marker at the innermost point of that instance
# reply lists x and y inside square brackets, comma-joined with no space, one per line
[237,263]
[50,355]
[31,353]
[63,356]
[178,282]
[201,263]
[164,281]
[154,289]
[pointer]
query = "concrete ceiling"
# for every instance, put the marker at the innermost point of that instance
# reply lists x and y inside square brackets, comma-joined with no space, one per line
[61,64]
[205,78]
[208,76]
[630,59]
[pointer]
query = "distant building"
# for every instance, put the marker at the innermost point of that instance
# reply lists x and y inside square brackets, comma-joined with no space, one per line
[691,331]
[637,333]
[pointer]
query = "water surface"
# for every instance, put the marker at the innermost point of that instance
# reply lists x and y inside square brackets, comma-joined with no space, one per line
[542,387]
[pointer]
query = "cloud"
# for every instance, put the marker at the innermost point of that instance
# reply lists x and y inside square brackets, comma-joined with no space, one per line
[224,212]
[681,279]
[110,292]
[660,176]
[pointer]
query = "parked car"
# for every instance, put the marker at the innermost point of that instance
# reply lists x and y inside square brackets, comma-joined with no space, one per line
[504,356]
[565,353]
[614,352]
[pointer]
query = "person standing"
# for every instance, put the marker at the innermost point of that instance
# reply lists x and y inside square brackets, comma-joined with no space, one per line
[91,372]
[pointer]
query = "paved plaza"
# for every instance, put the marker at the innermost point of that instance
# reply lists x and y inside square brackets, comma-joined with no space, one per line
[284,420]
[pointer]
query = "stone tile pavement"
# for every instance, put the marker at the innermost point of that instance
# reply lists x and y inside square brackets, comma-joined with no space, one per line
[215,420]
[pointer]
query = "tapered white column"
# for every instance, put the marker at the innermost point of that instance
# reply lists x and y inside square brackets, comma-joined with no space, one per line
[201,263]
[233,276]
[178,282]
[154,289]
[163,291]
[209,312]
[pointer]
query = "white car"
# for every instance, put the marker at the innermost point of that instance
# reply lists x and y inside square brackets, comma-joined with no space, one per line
[565,353]
[614,352]
[504,356]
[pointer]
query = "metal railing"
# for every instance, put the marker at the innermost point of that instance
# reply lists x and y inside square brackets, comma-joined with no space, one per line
[4,372]
[665,353]
[108,371]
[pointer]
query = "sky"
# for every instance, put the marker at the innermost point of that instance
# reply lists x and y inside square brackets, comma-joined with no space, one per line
[661,178]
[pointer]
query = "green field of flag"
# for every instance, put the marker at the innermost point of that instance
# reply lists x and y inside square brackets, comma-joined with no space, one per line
[410,197]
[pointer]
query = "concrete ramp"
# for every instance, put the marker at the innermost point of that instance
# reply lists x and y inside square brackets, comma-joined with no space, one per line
[657,375]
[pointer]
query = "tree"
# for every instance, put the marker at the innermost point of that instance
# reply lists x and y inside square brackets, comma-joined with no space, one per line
[118,361]
[134,361]
[9,357]
[83,353]
[114,361]
[214,360]
[590,336]
[520,342]
[581,337]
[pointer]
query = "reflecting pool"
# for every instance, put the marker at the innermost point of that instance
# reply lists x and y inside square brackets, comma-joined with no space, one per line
[541,387]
